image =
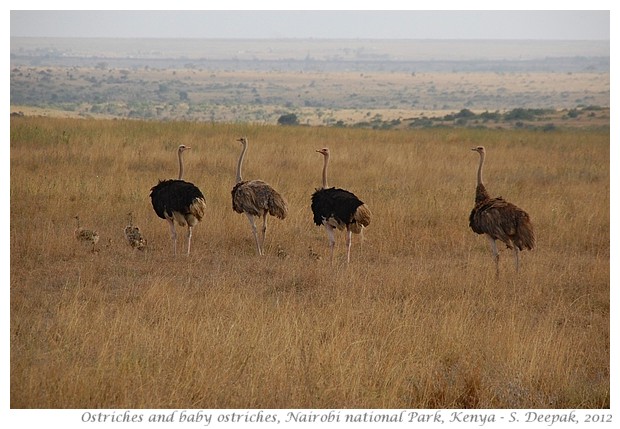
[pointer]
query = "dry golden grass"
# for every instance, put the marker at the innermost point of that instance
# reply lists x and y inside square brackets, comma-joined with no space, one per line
[417,319]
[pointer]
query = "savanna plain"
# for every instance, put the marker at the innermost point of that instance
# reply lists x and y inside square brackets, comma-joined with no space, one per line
[418,319]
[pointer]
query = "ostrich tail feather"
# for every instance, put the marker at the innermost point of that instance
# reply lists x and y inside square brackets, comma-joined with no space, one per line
[361,218]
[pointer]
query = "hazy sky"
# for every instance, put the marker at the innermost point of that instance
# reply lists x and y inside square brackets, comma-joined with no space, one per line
[409,24]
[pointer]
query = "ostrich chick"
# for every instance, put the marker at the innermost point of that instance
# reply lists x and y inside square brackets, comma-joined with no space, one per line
[84,235]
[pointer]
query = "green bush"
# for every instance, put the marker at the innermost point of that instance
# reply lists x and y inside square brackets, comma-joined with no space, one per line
[288,119]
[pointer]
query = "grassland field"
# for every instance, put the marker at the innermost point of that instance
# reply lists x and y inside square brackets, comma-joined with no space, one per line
[418,318]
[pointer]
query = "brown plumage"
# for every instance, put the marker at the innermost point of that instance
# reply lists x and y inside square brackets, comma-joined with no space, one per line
[337,208]
[498,219]
[133,235]
[84,235]
[256,198]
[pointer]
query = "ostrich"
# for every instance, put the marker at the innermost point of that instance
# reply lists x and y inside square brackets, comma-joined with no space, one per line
[178,201]
[133,235]
[86,235]
[313,255]
[500,220]
[256,198]
[337,208]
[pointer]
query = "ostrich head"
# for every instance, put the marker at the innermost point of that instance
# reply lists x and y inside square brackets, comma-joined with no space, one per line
[324,152]
[479,149]
[243,140]
[183,148]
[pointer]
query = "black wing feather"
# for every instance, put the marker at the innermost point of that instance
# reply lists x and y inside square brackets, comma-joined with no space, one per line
[334,202]
[173,195]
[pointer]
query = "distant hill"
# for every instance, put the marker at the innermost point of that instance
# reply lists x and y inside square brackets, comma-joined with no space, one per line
[317,55]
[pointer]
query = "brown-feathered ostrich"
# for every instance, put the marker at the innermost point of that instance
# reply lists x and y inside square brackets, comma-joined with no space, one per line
[338,209]
[256,199]
[133,235]
[84,235]
[498,219]
[179,201]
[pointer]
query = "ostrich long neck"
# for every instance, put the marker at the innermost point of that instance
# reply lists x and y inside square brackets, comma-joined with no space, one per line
[180,164]
[245,147]
[481,191]
[480,169]
[325,161]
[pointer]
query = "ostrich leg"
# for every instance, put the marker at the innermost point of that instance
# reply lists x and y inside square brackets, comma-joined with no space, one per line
[263,233]
[255,232]
[189,238]
[517,258]
[495,253]
[173,235]
[348,242]
[332,240]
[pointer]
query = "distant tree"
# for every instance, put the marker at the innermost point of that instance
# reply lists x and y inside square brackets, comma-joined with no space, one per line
[519,114]
[288,119]
[465,113]
[524,114]
[490,116]
[183,95]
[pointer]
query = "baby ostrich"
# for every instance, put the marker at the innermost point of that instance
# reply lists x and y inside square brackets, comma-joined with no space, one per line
[133,235]
[84,235]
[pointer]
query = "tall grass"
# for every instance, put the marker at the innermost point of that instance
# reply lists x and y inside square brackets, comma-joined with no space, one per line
[418,319]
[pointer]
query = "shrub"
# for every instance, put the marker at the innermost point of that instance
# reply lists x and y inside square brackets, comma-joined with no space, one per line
[288,119]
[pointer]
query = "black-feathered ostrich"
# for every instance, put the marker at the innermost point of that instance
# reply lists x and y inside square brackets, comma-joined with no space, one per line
[498,219]
[256,199]
[338,209]
[179,201]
